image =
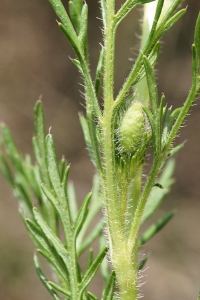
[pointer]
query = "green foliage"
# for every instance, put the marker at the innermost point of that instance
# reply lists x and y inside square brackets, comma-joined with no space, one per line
[117,187]
[53,198]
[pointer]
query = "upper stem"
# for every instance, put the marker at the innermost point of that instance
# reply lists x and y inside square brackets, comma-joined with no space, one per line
[109,37]
[121,255]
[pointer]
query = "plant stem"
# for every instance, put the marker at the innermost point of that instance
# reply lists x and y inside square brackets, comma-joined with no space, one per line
[186,107]
[109,36]
[123,258]
[109,155]
[142,202]
[125,262]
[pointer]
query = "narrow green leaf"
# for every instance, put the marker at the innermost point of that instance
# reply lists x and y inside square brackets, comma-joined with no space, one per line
[104,268]
[152,86]
[85,128]
[59,289]
[58,208]
[110,286]
[56,243]
[63,16]
[176,149]
[78,5]
[62,167]
[31,179]
[170,118]
[11,149]
[151,122]
[157,195]
[43,279]
[59,188]
[74,15]
[174,115]
[95,206]
[65,177]
[22,193]
[52,198]
[72,39]
[83,28]
[197,40]
[161,108]
[171,22]
[39,146]
[196,56]
[44,254]
[159,8]
[82,214]
[155,228]
[39,142]
[90,258]
[166,125]
[93,297]
[58,267]
[195,69]
[153,56]
[75,7]
[153,38]
[157,113]
[127,7]
[91,116]
[39,126]
[168,20]
[46,207]
[6,171]
[97,231]
[175,4]
[103,12]
[161,112]
[142,263]
[76,62]
[99,71]
[145,1]
[36,149]
[90,273]
[72,201]
[46,249]
[149,116]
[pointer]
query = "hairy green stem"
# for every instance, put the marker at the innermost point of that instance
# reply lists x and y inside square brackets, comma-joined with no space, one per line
[142,202]
[123,258]
[109,36]
[125,262]
[186,107]
[108,135]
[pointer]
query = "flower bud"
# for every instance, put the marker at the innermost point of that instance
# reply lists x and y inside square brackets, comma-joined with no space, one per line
[132,129]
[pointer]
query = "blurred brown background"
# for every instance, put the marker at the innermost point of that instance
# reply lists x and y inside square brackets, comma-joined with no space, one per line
[34,60]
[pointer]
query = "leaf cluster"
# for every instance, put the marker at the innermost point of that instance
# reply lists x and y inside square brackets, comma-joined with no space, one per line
[47,183]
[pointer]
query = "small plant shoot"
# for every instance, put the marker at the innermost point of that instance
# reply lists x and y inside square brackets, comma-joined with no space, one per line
[118,135]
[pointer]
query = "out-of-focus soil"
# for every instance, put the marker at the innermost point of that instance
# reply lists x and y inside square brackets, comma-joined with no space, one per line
[34,60]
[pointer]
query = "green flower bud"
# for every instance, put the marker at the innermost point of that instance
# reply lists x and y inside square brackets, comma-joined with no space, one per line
[132,129]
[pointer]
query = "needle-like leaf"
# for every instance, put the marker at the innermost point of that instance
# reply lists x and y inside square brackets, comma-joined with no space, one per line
[155,228]
[44,280]
[91,271]
[109,290]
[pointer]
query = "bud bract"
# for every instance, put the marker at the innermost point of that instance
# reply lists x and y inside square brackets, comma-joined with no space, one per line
[132,129]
